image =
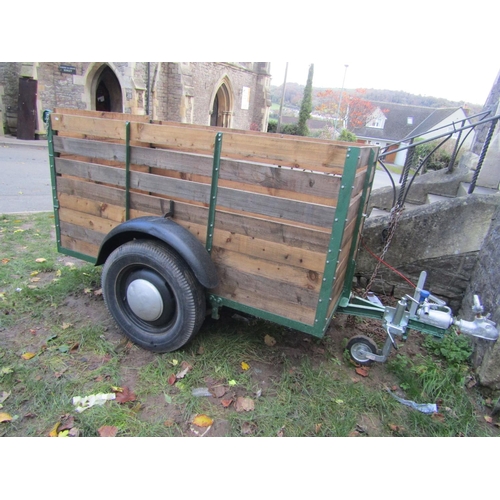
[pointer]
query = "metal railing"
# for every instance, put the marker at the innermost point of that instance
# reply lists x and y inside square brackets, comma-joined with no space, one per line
[459,128]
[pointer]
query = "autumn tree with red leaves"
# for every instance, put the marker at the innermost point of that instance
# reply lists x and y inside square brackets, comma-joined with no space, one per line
[354,109]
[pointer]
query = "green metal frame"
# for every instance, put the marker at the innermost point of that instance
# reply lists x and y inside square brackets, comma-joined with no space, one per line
[347,304]
[55,201]
[322,319]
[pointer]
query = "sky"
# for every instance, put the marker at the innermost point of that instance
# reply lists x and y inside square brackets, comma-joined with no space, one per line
[471,84]
[430,47]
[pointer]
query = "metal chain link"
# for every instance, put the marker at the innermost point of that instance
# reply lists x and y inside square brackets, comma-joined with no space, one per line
[396,213]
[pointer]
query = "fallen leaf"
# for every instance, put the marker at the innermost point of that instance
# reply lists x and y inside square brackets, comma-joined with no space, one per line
[232,383]
[41,259]
[218,391]
[172,379]
[5,417]
[202,420]
[4,261]
[65,326]
[244,366]
[174,362]
[3,396]
[185,368]
[317,428]
[244,404]
[281,432]
[107,431]
[226,402]
[28,355]
[58,273]
[488,419]
[34,273]
[87,290]
[168,423]
[125,396]
[98,292]
[362,370]
[269,341]
[67,422]
[396,428]
[54,430]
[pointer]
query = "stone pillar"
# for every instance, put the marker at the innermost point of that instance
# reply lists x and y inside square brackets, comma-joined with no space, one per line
[486,278]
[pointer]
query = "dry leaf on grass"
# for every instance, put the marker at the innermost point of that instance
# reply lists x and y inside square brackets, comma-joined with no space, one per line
[125,395]
[5,417]
[28,355]
[362,370]
[218,391]
[269,341]
[107,431]
[202,420]
[244,404]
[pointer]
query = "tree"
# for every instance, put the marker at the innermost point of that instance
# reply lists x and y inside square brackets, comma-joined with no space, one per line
[354,111]
[306,106]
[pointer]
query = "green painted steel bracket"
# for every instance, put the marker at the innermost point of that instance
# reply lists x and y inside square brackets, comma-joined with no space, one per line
[53,177]
[321,320]
[217,302]
[349,276]
[127,170]
[213,192]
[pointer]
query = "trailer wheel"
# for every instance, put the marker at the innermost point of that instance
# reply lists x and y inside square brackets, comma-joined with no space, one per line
[153,295]
[359,346]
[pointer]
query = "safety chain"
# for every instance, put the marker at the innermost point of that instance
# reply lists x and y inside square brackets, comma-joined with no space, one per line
[396,213]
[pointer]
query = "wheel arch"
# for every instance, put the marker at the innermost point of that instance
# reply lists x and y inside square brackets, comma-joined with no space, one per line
[170,233]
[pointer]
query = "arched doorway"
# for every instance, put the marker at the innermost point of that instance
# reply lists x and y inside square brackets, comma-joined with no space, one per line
[222,107]
[108,92]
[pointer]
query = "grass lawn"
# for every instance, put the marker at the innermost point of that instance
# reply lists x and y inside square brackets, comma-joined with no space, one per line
[239,377]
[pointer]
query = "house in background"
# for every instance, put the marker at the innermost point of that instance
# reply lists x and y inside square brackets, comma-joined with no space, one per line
[393,125]
[226,94]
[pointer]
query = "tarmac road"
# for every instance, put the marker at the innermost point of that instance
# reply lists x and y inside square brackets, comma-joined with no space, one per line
[25,176]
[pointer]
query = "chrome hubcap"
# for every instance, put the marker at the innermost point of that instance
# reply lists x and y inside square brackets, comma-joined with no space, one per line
[144,300]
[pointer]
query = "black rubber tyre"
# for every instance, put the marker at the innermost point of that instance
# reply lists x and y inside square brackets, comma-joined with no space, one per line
[153,295]
[358,347]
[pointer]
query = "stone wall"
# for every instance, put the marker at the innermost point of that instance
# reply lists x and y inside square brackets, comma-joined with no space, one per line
[176,91]
[443,238]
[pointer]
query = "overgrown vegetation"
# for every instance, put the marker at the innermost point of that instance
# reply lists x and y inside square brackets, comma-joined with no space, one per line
[57,342]
[438,160]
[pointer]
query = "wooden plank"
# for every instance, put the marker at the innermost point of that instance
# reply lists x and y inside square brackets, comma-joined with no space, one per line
[307,279]
[267,179]
[103,114]
[84,234]
[92,207]
[234,283]
[88,221]
[255,203]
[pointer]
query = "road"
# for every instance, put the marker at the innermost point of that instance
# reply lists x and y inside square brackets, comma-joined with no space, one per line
[25,176]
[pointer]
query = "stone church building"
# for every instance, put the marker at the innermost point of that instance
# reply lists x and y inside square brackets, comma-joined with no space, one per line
[225,94]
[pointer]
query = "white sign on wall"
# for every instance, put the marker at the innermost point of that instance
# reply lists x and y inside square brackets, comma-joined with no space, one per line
[245,98]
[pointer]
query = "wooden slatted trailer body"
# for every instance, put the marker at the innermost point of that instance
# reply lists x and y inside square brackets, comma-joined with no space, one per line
[278,217]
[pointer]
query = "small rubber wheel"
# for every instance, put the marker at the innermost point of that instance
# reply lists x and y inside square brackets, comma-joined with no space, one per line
[153,295]
[359,346]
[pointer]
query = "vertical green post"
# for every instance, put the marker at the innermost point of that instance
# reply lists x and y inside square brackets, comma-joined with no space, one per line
[335,245]
[213,192]
[127,170]
[53,177]
[372,160]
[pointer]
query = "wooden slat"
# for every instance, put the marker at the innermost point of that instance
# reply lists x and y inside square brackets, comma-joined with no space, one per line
[281,208]
[283,151]
[312,187]
[308,280]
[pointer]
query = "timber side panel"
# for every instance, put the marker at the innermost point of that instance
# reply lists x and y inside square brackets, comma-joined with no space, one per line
[275,210]
[269,149]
